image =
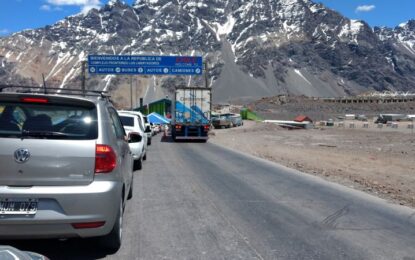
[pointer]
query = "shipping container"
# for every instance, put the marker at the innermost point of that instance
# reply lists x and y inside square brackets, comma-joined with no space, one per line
[191,115]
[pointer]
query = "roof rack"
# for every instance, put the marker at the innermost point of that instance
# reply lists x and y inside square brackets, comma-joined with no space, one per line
[56,91]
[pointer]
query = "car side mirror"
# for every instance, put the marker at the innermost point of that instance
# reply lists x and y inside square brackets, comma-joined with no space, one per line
[134,137]
[148,129]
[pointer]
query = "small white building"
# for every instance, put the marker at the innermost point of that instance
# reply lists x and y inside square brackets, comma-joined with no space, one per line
[350,116]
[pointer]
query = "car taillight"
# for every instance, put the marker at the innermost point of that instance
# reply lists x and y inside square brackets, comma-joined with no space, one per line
[206,127]
[105,159]
[178,127]
[34,100]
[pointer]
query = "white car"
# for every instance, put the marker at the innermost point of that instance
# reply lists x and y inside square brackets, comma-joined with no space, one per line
[148,130]
[157,129]
[145,123]
[134,124]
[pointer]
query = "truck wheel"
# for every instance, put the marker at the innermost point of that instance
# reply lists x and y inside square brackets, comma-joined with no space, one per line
[112,241]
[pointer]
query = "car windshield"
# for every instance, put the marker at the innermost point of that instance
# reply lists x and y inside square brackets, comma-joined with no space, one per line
[47,121]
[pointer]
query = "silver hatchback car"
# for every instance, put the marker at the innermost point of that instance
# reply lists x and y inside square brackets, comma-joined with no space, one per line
[66,167]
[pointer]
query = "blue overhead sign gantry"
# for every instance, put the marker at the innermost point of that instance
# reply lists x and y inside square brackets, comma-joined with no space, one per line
[145,65]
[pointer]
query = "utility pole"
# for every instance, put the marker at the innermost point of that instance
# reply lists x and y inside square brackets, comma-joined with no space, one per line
[206,74]
[136,91]
[83,63]
[131,92]
[44,84]
[131,87]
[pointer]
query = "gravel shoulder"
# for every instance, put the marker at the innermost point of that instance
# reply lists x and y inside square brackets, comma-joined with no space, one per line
[377,161]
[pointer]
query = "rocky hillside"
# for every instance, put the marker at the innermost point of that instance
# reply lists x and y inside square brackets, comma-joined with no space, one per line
[289,107]
[254,48]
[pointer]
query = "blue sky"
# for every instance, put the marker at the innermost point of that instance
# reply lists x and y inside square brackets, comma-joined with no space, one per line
[16,15]
[375,12]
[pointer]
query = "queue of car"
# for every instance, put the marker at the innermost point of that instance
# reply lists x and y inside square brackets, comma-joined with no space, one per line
[68,162]
[134,123]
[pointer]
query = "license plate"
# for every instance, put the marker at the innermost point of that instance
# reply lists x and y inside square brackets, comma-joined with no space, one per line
[18,206]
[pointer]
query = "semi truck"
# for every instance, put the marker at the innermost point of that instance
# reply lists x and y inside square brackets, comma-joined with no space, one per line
[191,113]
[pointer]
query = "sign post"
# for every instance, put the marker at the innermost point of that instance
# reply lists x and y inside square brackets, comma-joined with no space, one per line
[83,76]
[145,65]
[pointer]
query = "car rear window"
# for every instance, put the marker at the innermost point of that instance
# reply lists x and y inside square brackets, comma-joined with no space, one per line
[127,120]
[47,121]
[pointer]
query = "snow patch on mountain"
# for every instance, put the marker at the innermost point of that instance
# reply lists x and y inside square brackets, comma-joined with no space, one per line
[227,27]
[302,76]
[107,81]
[192,4]
[351,30]
[403,35]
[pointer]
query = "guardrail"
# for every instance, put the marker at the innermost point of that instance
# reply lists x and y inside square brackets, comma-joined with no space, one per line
[368,100]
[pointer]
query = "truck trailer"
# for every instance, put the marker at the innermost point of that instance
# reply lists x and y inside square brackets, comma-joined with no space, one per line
[191,114]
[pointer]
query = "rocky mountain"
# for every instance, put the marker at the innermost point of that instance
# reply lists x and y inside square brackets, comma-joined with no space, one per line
[254,48]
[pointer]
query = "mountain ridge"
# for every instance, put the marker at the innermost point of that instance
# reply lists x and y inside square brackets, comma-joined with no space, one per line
[254,48]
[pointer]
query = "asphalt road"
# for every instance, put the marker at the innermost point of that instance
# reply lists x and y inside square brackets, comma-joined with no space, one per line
[201,201]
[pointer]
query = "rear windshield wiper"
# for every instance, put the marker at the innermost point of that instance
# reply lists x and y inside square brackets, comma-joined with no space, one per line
[45,134]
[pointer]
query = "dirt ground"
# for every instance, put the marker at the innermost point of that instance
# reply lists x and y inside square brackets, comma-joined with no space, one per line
[374,160]
[288,107]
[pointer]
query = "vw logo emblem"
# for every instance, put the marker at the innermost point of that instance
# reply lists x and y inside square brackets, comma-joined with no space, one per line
[21,155]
